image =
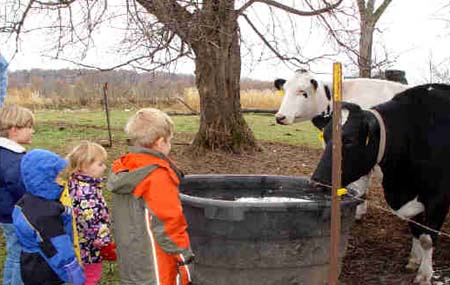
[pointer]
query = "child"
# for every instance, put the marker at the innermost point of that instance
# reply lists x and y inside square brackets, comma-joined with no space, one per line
[86,168]
[152,242]
[16,128]
[43,225]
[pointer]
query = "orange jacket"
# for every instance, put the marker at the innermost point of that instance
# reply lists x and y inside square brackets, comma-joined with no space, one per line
[167,235]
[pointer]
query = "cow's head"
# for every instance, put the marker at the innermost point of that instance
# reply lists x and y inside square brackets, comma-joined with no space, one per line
[299,102]
[360,143]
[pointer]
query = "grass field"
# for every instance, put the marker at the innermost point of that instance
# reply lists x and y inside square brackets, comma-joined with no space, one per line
[60,130]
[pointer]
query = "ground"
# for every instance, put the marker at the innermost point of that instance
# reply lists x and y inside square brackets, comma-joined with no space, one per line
[379,244]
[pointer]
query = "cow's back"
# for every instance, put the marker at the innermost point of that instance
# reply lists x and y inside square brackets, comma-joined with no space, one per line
[418,147]
[429,123]
[368,92]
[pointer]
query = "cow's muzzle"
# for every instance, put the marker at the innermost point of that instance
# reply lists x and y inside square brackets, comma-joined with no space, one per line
[281,120]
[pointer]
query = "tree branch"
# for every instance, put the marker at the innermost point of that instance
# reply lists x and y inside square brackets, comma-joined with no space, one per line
[100,68]
[245,6]
[291,10]
[274,50]
[171,14]
[380,10]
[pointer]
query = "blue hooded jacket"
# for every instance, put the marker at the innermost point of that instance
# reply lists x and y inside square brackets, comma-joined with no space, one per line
[42,224]
[11,186]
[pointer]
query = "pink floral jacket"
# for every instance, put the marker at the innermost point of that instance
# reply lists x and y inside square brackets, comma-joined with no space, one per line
[91,215]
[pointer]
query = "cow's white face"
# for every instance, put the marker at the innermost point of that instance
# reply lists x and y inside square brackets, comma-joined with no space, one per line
[299,102]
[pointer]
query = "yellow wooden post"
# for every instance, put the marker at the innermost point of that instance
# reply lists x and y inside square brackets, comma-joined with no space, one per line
[333,275]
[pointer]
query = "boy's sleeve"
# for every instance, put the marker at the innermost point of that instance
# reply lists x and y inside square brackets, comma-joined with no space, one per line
[3,79]
[168,222]
[13,180]
[54,243]
[58,246]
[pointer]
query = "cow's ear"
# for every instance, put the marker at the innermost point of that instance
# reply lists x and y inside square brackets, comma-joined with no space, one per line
[320,121]
[314,84]
[278,83]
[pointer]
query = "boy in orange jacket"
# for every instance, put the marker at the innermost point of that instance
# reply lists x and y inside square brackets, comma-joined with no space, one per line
[151,231]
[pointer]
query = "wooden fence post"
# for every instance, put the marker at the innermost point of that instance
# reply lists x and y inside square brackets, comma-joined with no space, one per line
[333,275]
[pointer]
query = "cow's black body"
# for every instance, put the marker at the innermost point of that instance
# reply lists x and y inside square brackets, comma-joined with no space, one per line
[416,161]
[417,156]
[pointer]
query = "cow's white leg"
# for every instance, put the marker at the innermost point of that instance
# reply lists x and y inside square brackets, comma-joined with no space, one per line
[415,257]
[425,272]
[361,186]
[361,210]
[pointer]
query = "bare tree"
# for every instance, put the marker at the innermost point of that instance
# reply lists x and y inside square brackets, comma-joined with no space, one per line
[160,32]
[369,17]
[438,71]
[357,43]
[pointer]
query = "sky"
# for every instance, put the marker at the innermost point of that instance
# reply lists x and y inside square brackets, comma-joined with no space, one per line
[412,30]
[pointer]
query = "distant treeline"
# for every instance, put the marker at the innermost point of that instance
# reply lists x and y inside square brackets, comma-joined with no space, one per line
[83,87]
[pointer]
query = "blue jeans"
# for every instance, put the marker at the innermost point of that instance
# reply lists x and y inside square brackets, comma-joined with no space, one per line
[11,271]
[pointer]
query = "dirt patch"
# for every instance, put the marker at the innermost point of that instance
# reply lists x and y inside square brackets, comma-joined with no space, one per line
[379,244]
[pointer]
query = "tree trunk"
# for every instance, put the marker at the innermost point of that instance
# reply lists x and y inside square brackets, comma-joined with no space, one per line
[365,49]
[218,71]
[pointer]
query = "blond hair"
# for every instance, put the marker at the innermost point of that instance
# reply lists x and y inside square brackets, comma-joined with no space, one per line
[148,125]
[84,154]
[14,116]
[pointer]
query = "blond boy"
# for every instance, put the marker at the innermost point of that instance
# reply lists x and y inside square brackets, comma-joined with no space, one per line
[151,231]
[16,128]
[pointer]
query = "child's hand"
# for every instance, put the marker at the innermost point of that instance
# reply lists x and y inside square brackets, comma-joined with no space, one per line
[98,243]
[108,252]
[75,272]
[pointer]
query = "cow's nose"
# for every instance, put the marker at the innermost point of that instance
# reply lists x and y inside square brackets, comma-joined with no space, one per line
[280,119]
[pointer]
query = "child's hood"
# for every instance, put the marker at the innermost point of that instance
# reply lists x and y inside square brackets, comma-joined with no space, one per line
[132,168]
[39,169]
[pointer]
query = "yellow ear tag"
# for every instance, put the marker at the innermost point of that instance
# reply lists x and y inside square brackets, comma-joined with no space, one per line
[321,136]
[281,92]
[341,191]
[367,140]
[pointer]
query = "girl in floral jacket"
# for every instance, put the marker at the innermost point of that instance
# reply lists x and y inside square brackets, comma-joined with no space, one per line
[86,167]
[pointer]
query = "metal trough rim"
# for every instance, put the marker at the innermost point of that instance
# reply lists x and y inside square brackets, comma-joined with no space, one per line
[202,202]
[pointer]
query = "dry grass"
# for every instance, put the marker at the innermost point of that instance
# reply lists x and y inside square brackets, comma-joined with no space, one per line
[27,97]
[263,99]
[251,98]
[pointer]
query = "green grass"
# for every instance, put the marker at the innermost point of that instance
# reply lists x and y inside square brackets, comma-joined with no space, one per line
[263,126]
[60,130]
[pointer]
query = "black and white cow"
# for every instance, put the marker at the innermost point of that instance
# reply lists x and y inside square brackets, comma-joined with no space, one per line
[307,98]
[409,138]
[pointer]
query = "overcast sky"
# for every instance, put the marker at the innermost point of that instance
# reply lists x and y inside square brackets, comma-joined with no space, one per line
[413,30]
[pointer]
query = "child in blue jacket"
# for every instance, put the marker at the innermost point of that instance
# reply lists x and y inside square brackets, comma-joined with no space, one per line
[16,130]
[43,225]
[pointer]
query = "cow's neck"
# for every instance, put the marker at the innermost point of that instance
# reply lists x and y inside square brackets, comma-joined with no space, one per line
[396,165]
[395,122]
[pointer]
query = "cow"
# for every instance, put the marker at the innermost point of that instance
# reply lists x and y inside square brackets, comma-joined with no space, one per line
[409,138]
[307,98]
